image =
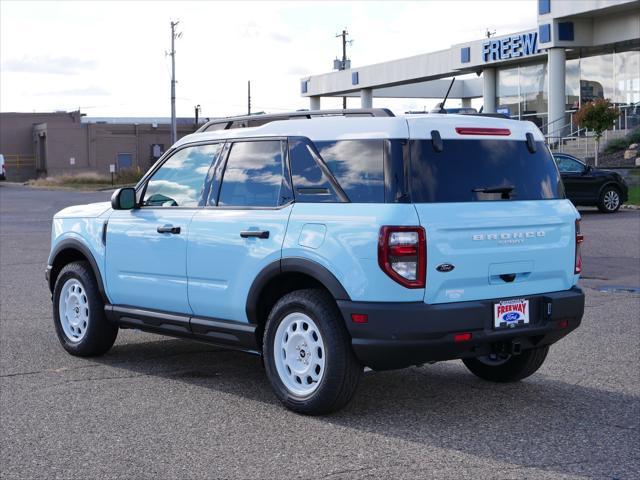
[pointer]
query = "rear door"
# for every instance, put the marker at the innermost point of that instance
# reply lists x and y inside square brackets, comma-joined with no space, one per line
[240,232]
[495,221]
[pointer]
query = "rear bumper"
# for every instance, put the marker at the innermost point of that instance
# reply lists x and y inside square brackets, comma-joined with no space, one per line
[398,335]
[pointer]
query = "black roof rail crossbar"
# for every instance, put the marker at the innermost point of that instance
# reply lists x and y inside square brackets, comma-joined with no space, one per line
[227,122]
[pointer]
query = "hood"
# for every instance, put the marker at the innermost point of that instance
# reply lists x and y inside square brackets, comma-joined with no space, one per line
[90,210]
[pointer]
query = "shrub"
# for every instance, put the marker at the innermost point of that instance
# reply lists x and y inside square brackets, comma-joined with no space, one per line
[127,176]
[616,145]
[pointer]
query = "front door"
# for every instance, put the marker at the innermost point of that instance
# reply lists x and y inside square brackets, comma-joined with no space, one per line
[146,248]
[575,177]
[241,231]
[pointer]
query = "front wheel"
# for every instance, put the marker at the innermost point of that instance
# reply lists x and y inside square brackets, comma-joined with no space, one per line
[609,201]
[505,368]
[307,354]
[78,312]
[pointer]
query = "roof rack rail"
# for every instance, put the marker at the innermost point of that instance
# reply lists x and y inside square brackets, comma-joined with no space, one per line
[260,119]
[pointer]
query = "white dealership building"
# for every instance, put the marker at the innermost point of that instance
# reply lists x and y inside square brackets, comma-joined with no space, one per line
[576,51]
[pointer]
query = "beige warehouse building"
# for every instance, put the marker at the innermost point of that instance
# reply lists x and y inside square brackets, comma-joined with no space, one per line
[37,144]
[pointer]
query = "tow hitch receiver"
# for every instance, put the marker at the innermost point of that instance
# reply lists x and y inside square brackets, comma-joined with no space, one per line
[509,348]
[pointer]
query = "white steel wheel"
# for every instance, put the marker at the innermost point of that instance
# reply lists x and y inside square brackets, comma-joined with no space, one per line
[299,353]
[73,309]
[611,200]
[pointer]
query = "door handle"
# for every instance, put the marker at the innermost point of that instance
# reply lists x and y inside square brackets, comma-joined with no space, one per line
[255,234]
[169,229]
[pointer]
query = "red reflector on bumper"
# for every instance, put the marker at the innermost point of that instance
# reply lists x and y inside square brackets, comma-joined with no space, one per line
[462,337]
[359,317]
[563,323]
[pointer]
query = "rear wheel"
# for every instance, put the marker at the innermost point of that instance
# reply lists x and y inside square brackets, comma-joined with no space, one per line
[307,353]
[78,312]
[609,201]
[505,368]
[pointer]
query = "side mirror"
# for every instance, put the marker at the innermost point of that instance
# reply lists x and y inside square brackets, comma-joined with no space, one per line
[124,199]
[588,168]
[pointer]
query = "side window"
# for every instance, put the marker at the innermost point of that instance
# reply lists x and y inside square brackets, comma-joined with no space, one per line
[180,181]
[310,184]
[253,175]
[568,165]
[358,166]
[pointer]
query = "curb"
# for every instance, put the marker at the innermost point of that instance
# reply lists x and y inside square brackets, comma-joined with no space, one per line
[630,207]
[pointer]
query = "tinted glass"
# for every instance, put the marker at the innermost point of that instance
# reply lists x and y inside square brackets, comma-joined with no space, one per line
[179,182]
[253,175]
[357,165]
[309,182]
[466,170]
[566,164]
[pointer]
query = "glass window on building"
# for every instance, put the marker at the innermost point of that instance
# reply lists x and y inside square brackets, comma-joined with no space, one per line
[508,92]
[596,77]
[572,84]
[533,93]
[627,87]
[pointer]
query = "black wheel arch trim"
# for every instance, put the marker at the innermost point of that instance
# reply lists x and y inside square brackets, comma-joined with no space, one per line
[74,244]
[292,265]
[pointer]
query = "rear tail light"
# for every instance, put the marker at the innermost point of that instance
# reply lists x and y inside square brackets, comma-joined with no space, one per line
[579,240]
[402,254]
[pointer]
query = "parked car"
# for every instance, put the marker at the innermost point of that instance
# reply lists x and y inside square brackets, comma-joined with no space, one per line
[329,244]
[588,186]
[3,170]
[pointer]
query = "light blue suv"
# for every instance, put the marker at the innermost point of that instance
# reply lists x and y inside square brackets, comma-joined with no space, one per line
[330,244]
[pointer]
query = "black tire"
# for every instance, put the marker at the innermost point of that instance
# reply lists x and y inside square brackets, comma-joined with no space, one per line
[100,334]
[342,371]
[609,200]
[515,368]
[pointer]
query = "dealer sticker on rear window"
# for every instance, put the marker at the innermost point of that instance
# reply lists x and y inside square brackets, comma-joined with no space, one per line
[511,313]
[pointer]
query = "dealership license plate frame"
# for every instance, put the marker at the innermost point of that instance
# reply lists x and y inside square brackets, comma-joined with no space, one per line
[519,306]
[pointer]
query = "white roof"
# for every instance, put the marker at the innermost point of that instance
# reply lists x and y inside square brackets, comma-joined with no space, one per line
[352,128]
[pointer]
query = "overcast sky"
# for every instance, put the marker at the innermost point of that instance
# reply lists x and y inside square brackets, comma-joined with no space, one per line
[108,57]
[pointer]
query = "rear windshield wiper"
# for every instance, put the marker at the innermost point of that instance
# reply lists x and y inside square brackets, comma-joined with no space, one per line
[505,191]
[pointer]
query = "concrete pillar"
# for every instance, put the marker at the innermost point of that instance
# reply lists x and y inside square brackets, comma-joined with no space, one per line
[466,103]
[489,90]
[314,103]
[366,98]
[556,63]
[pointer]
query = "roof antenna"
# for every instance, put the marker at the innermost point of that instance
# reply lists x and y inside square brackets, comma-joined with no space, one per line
[440,107]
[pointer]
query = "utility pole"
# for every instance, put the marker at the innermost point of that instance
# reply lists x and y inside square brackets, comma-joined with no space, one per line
[248,97]
[174,36]
[343,65]
[197,110]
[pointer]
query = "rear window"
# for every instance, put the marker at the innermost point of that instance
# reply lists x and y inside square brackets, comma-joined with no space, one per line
[481,170]
[358,166]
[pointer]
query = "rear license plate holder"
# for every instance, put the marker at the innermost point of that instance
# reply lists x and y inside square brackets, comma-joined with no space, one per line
[512,313]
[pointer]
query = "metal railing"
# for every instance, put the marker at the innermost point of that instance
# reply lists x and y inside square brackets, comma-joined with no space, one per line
[19,161]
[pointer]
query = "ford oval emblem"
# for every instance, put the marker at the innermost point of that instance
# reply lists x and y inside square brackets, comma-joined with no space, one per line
[511,317]
[445,267]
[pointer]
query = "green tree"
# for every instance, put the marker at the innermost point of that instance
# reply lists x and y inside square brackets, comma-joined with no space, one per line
[597,116]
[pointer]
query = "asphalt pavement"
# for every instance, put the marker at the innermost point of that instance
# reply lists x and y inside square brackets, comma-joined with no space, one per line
[156,407]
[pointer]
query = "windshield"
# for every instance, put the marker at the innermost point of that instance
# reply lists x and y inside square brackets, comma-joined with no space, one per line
[481,170]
